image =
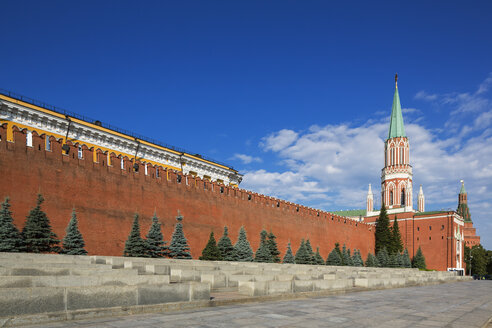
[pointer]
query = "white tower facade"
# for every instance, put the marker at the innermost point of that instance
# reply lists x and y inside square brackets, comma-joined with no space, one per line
[396,176]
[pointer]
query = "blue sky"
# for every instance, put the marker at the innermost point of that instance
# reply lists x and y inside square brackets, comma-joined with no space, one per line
[294,94]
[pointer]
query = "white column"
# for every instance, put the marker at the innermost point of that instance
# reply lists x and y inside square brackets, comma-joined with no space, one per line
[370,200]
[421,200]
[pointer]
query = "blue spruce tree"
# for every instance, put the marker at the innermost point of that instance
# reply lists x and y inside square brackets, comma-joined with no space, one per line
[419,260]
[37,233]
[334,257]
[73,243]
[156,246]
[10,237]
[211,252]
[309,249]
[406,259]
[371,261]
[263,253]
[243,250]
[135,246]
[383,258]
[289,257]
[226,248]
[179,248]
[302,255]
[272,245]
[318,258]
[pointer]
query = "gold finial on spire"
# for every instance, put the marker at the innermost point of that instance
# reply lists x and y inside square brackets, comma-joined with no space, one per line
[396,79]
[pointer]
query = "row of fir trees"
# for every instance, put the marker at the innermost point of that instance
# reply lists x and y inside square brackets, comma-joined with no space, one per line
[154,245]
[389,247]
[37,236]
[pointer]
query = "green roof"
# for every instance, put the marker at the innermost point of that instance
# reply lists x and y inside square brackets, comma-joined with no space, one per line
[430,212]
[350,213]
[397,129]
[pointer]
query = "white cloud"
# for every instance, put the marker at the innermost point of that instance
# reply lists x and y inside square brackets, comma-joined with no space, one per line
[485,85]
[330,166]
[411,111]
[279,140]
[425,96]
[246,159]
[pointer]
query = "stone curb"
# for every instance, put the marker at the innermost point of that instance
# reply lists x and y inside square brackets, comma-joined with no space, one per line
[43,318]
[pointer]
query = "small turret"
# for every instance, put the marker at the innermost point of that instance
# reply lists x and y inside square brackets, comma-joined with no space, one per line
[421,200]
[370,200]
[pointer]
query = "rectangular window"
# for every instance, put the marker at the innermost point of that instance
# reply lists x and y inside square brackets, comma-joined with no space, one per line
[122,163]
[29,139]
[81,154]
[48,144]
[146,169]
[156,172]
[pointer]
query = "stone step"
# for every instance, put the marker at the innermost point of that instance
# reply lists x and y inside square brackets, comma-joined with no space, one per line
[32,265]
[45,258]
[21,301]
[47,271]
[80,281]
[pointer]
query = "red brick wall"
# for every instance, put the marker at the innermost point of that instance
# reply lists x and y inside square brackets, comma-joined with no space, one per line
[434,235]
[470,233]
[106,198]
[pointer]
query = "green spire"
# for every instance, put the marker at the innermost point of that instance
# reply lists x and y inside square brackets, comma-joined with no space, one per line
[397,129]
[462,191]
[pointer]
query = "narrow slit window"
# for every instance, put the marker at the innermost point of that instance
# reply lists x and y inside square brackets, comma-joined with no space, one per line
[48,144]
[80,152]
[122,163]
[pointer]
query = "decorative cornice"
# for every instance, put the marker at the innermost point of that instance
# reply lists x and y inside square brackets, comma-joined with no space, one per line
[57,125]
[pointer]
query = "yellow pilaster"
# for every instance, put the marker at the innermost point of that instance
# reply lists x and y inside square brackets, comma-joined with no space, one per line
[10,132]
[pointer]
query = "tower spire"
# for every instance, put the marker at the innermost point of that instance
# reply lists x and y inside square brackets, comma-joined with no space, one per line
[462,191]
[397,129]
[463,209]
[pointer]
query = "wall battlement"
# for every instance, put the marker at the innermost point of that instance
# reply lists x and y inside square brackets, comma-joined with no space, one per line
[106,197]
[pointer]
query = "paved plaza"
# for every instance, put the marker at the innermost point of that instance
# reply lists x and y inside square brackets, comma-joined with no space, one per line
[464,304]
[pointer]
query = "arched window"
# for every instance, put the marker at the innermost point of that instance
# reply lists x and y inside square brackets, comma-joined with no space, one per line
[403,197]
[391,197]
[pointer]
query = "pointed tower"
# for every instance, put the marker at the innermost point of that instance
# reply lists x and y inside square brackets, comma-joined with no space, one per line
[396,176]
[421,200]
[463,209]
[370,200]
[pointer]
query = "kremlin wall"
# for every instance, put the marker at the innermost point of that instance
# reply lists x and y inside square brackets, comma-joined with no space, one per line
[107,176]
[107,197]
